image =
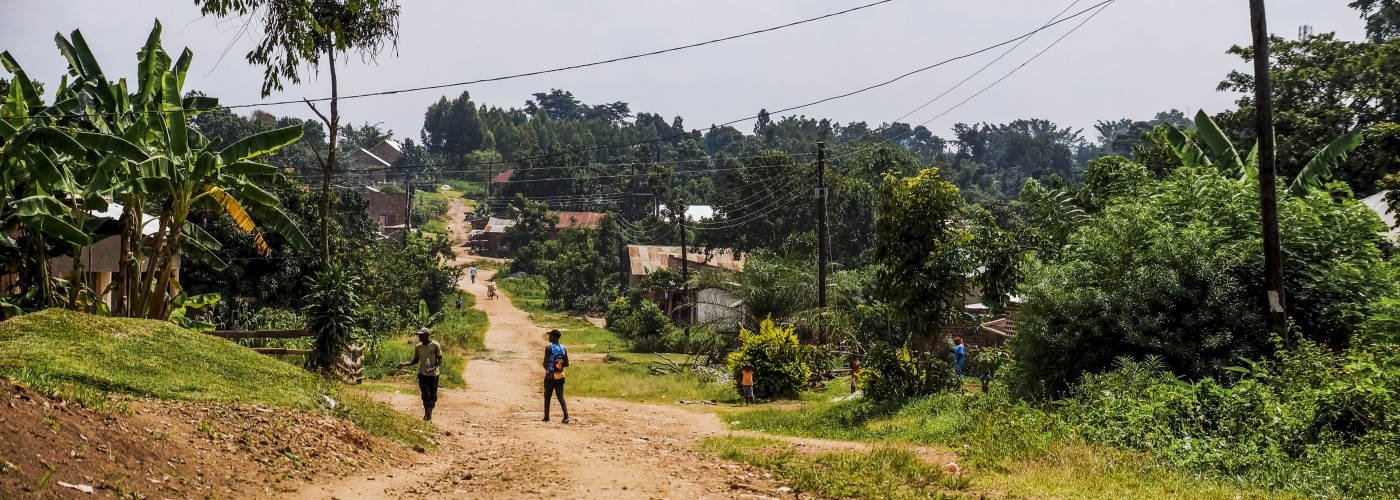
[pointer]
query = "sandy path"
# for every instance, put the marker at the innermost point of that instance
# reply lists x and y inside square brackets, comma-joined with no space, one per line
[494,446]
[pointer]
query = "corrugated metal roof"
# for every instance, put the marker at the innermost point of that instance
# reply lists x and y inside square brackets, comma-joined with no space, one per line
[648,258]
[585,219]
[1376,203]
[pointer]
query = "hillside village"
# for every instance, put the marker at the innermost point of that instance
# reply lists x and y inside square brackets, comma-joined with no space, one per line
[202,298]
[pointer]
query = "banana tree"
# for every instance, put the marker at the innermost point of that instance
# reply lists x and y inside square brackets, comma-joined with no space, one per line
[1227,158]
[38,195]
[137,144]
[192,171]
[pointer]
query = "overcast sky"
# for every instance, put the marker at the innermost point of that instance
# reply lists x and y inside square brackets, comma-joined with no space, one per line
[1136,58]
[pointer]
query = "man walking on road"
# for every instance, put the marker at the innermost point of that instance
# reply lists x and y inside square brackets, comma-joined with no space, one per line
[556,359]
[428,355]
[473,272]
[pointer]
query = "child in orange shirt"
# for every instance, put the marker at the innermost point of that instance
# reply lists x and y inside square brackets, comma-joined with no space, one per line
[746,383]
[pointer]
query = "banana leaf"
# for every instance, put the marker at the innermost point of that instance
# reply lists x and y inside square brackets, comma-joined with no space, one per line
[56,140]
[204,239]
[249,168]
[32,206]
[283,225]
[152,63]
[58,228]
[261,144]
[177,136]
[111,144]
[252,192]
[198,252]
[199,104]
[1226,156]
[1326,160]
[26,87]
[84,65]
[145,185]
[1190,154]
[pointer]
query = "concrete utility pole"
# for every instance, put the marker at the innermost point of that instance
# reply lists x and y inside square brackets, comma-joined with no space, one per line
[1268,191]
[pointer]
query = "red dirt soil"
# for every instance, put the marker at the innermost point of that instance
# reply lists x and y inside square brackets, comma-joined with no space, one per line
[174,450]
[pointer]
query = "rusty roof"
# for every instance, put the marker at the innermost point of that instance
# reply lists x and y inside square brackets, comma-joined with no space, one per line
[648,258]
[585,219]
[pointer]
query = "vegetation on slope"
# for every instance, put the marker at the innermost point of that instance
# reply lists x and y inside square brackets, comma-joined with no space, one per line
[66,351]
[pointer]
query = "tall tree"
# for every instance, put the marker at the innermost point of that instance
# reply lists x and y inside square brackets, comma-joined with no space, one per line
[301,34]
[1382,18]
[920,250]
[452,129]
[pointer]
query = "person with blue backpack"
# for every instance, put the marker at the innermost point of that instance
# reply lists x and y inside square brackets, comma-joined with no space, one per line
[556,359]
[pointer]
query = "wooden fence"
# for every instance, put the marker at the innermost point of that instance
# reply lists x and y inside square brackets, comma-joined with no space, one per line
[266,334]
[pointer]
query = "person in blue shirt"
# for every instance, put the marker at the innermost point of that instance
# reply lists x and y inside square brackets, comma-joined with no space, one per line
[473,271]
[555,360]
[959,355]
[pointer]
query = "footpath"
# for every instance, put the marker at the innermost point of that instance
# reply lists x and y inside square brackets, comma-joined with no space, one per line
[492,444]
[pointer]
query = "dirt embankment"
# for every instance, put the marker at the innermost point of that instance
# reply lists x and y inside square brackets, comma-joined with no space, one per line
[52,449]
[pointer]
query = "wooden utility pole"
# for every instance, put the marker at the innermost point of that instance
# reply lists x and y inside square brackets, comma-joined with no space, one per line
[685,265]
[1268,190]
[408,205]
[821,225]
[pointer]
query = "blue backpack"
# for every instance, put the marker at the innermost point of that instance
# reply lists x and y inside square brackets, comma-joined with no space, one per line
[555,350]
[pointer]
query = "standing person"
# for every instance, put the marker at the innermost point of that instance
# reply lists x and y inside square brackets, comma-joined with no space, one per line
[746,383]
[556,359]
[459,301]
[855,373]
[959,355]
[428,355]
[473,274]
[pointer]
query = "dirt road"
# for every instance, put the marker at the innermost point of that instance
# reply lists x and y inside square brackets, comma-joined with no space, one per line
[494,446]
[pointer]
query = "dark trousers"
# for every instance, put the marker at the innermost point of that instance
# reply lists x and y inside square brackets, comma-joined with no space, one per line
[554,386]
[428,385]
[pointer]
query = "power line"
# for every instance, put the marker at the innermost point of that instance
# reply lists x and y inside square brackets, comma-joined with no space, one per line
[1028,61]
[984,68]
[578,66]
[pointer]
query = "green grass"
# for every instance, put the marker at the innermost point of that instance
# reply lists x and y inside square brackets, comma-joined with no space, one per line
[464,329]
[1015,449]
[895,472]
[884,472]
[463,188]
[528,294]
[626,376]
[64,351]
[399,350]
[434,227]
[389,389]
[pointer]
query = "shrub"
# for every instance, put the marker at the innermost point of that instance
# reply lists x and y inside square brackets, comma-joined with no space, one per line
[893,372]
[1310,421]
[332,314]
[779,360]
[637,320]
[1175,273]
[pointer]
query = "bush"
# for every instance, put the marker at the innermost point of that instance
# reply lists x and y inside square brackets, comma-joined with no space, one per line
[1175,273]
[1311,421]
[579,276]
[637,320]
[332,315]
[779,360]
[893,372]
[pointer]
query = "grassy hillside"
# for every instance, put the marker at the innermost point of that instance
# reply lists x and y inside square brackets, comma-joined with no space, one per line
[65,352]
